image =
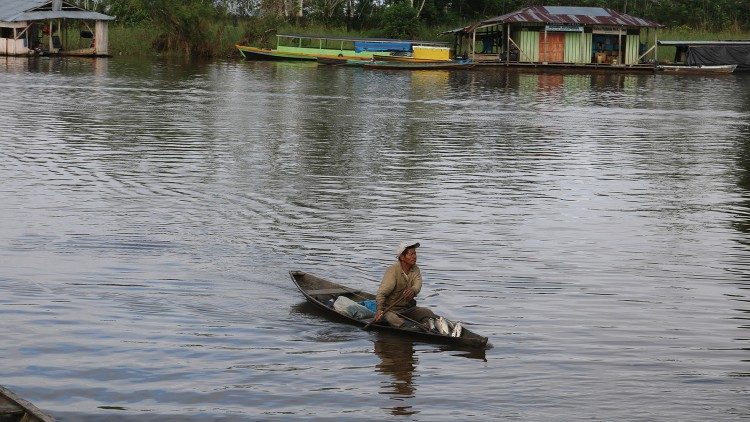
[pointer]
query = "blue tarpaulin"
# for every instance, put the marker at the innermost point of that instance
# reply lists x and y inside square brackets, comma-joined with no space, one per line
[370,304]
[360,46]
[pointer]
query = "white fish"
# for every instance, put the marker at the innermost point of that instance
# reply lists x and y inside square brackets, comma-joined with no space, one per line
[457,330]
[442,326]
[450,324]
[431,324]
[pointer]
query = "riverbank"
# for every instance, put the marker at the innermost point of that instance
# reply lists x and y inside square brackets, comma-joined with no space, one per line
[143,40]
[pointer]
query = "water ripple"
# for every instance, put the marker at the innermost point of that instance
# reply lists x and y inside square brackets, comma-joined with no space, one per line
[594,226]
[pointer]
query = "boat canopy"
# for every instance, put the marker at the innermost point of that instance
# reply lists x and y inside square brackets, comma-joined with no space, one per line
[360,46]
[355,39]
[711,53]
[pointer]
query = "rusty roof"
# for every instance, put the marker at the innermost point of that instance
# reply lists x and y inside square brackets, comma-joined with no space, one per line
[569,15]
[34,10]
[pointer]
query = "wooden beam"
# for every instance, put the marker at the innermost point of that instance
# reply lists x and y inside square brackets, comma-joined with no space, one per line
[334,291]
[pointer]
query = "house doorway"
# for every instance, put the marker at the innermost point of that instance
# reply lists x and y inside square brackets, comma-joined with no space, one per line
[552,47]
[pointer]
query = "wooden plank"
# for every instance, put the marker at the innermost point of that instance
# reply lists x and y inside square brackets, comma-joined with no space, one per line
[10,408]
[32,413]
[334,291]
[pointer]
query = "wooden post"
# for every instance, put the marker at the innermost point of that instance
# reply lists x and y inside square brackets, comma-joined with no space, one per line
[507,44]
[101,38]
[473,43]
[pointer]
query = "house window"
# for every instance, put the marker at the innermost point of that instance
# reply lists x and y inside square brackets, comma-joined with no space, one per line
[6,32]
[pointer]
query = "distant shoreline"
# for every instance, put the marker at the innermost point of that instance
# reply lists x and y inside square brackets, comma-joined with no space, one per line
[141,40]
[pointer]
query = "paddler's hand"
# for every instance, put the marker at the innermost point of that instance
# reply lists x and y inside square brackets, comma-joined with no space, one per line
[378,315]
[408,294]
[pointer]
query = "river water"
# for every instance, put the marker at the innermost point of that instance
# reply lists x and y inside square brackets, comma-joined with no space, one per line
[594,226]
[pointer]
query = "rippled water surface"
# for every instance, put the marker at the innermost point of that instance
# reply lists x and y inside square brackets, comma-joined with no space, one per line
[593,226]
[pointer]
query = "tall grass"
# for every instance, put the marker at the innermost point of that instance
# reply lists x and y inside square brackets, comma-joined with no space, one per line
[136,40]
[683,33]
[145,40]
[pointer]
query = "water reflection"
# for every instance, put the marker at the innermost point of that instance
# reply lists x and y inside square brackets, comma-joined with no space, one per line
[469,353]
[743,176]
[398,361]
[84,66]
[742,225]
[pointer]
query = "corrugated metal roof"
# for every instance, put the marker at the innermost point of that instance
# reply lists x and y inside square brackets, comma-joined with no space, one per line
[63,14]
[30,10]
[563,15]
[11,8]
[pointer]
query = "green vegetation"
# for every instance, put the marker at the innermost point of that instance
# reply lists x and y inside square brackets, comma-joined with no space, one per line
[213,27]
[132,40]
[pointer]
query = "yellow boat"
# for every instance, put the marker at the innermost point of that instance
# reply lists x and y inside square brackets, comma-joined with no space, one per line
[419,54]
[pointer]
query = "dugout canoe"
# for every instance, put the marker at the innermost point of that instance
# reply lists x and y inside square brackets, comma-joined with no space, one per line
[405,59]
[320,292]
[699,70]
[15,409]
[427,65]
[253,53]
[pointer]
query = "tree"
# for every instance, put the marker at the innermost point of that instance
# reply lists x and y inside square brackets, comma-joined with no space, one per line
[400,20]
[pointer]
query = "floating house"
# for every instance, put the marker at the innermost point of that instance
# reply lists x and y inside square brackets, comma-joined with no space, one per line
[29,27]
[558,35]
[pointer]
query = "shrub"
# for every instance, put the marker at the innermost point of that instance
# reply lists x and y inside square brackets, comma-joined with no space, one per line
[400,21]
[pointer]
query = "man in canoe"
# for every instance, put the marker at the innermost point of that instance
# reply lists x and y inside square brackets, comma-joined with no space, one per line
[401,282]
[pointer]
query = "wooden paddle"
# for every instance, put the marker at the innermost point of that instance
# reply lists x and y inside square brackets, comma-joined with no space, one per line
[422,327]
[417,323]
[388,309]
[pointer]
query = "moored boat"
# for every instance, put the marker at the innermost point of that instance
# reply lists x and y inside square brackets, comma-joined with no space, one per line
[405,59]
[419,54]
[308,47]
[16,409]
[333,61]
[322,292]
[254,53]
[711,53]
[419,66]
[700,69]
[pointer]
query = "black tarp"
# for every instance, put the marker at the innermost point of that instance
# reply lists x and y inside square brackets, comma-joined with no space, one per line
[738,54]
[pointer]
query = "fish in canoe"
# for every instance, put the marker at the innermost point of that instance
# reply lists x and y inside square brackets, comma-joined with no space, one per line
[16,409]
[323,293]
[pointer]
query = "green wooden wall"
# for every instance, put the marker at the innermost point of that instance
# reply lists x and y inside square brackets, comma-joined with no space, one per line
[631,49]
[578,47]
[528,41]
